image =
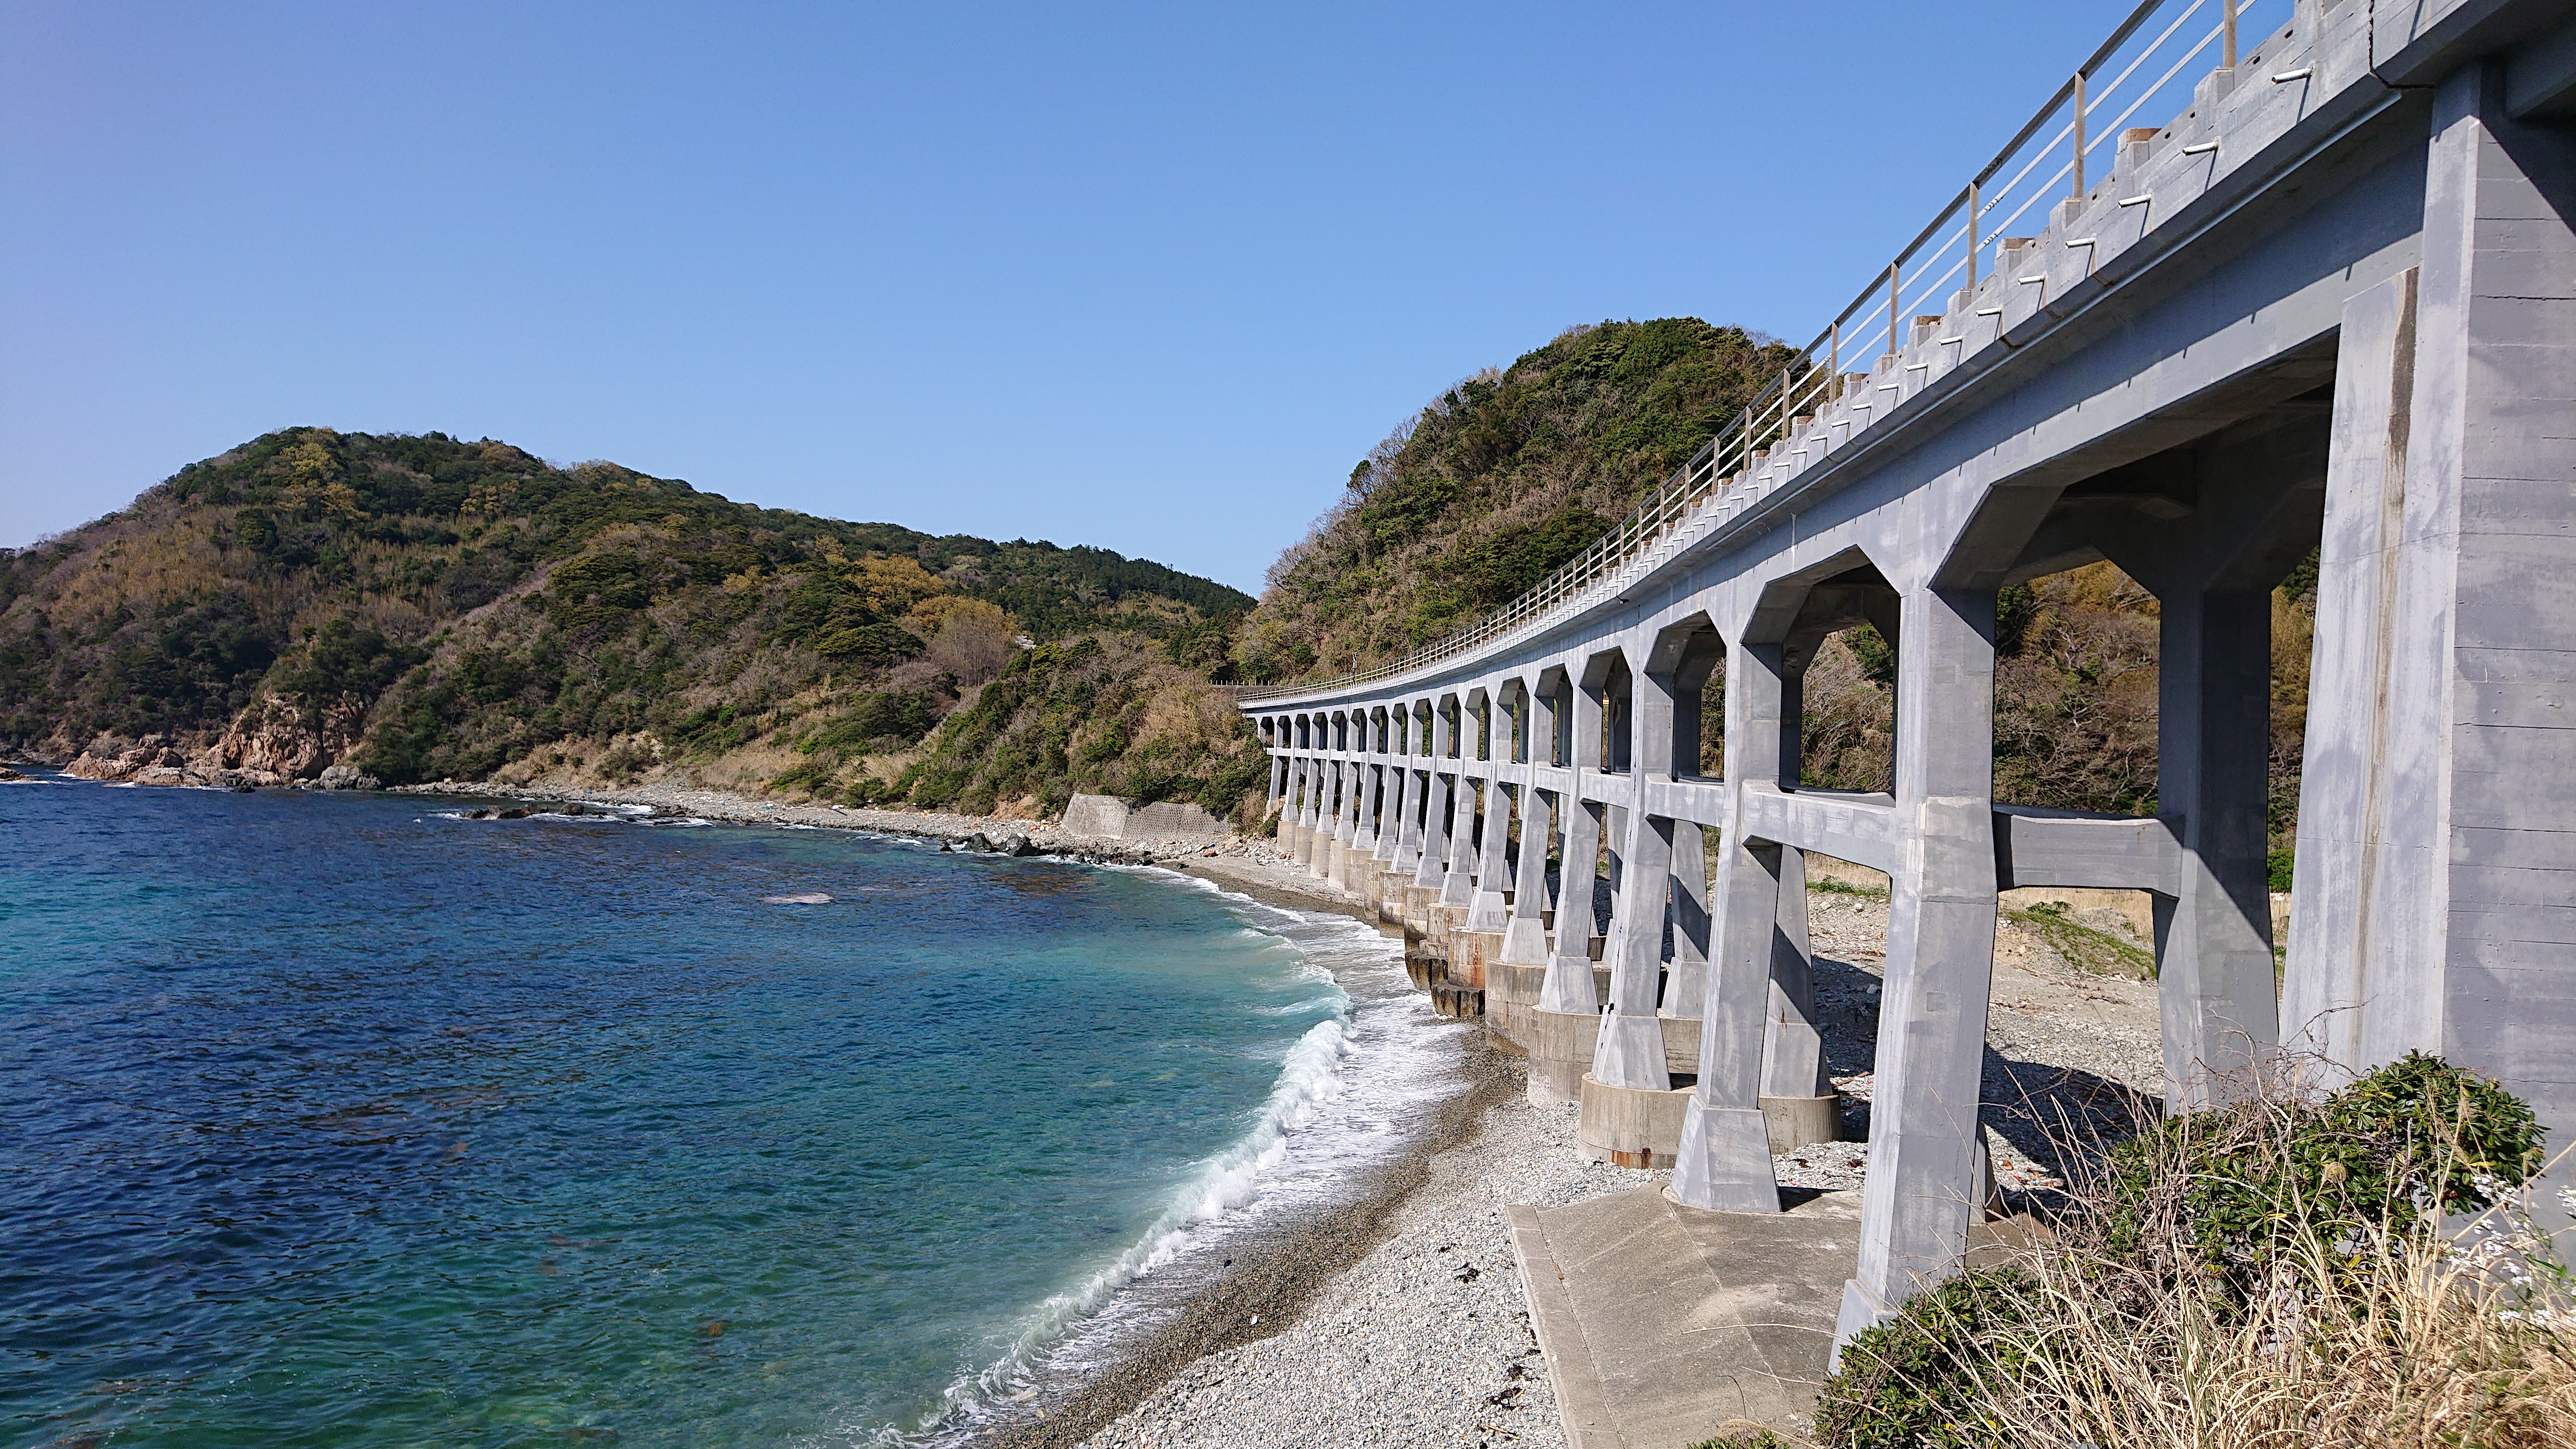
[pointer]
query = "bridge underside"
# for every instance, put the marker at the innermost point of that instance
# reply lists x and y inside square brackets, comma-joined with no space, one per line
[2371,355]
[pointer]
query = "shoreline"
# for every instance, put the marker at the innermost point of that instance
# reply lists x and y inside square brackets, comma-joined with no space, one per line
[1273,1274]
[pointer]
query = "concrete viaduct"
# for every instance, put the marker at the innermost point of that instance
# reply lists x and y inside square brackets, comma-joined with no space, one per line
[2323,296]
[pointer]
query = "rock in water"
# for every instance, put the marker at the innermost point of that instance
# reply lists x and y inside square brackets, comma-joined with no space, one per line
[348,777]
[9,774]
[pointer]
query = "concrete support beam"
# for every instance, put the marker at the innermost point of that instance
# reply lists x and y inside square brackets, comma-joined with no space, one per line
[1458,882]
[1408,835]
[2466,854]
[1434,865]
[1569,987]
[1725,1157]
[2035,847]
[1486,910]
[2214,936]
[1793,1049]
[1924,1143]
[1525,933]
[2330,1004]
[1863,829]
[1631,1049]
[1686,981]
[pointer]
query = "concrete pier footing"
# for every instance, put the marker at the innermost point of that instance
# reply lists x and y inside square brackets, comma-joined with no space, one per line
[1630,1126]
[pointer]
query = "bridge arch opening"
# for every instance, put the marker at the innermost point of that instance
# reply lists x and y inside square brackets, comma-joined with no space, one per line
[1836,629]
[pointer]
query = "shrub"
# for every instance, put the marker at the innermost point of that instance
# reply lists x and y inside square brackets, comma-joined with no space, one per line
[2271,1275]
[2239,1187]
[1916,1379]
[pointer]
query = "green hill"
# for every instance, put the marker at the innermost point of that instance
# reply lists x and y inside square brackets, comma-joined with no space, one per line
[428,608]
[1500,480]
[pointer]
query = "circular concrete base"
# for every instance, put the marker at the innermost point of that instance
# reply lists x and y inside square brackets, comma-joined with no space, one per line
[1793,1122]
[1556,1084]
[1630,1126]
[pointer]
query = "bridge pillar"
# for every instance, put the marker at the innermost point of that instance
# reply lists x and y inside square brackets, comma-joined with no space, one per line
[1631,1049]
[1328,819]
[1799,1103]
[2214,940]
[1525,934]
[1359,868]
[1568,1022]
[1686,980]
[1725,1158]
[1486,911]
[1458,883]
[1921,1193]
[1423,897]
[1312,816]
[1292,820]
[2432,902]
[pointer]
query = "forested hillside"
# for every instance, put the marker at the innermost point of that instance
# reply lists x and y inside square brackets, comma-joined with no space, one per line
[427,608]
[1497,482]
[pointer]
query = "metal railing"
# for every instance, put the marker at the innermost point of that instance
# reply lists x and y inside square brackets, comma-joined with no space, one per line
[2155,57]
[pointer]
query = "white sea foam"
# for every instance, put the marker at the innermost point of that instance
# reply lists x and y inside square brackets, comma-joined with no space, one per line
[1343,1095]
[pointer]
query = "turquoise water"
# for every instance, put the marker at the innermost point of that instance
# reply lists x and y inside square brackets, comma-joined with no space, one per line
[343,1121]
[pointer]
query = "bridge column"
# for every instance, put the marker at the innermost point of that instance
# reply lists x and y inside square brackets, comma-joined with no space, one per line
[1359,868]
[1631,1049]
[1346,823]
[1385,887]
[1458,883]
[1311,819]
[2434,882]
[1568,1023]
[1725,1158]
[1795,1087]
[1292,815]
[1486,910]
[1434,865]
[2214,941]
[1525,933]
[1319,853]
[1924,1149]
[1686,982]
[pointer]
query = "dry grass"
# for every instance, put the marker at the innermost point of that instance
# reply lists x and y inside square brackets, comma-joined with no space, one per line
[2370,1325]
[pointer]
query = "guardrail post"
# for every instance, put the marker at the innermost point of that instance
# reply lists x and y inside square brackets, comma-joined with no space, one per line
[2079,135]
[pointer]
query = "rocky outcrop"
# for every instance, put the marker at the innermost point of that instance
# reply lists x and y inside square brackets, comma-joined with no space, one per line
[270,744]
[275,738]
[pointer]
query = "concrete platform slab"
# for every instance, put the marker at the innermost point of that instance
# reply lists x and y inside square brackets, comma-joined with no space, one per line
[1660,1322]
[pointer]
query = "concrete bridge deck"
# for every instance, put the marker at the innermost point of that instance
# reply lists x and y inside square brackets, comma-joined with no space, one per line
[2327,302]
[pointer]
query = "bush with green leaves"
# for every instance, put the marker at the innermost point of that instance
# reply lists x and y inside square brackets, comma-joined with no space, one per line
[2231,1209]
[2234,1189]
[1912,1381]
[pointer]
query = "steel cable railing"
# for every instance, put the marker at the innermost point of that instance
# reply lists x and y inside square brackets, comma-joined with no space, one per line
[1962,239]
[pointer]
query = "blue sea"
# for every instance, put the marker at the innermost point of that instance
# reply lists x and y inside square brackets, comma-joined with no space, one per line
[347,1120]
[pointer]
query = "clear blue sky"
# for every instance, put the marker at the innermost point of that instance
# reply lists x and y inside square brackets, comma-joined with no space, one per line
[1151,279]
